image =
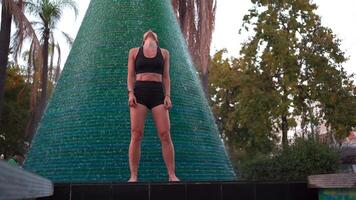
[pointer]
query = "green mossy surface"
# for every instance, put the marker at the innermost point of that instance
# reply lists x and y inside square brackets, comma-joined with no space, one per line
[84,134]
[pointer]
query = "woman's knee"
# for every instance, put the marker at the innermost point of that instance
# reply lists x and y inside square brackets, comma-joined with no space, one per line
[165,135]
[136,135]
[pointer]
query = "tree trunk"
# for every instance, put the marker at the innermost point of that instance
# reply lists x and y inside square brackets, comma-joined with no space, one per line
[204,83]
[30,129]
[34,107]
[5,33]
[39,111]
[44,76]
[284,131]
[204,37]
[196,19]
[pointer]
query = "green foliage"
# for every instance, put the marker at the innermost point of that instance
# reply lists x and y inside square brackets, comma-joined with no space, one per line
[302,158]
[295,64]
[15,112]
[289,73]
[244,133]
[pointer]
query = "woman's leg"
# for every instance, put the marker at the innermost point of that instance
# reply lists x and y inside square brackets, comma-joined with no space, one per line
[137,115]
[161,117]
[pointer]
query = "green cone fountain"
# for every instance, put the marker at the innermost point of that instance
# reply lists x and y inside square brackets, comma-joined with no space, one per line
[84,133]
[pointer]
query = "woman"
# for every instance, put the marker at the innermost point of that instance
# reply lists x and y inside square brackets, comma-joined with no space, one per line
[148,85]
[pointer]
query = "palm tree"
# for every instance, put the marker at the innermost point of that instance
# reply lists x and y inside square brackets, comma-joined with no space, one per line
[49,13]
[6,19]
[55,73]
[13,10]
[33,68]
[197,19]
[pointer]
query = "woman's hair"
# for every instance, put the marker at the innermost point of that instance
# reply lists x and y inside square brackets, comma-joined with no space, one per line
[146,34]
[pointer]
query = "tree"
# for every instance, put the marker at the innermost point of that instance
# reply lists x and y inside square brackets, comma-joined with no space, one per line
[294,65]
[49,12]
[14,9]
[294,163]
[5,32]
[197,19]
[246,130]
[16,110]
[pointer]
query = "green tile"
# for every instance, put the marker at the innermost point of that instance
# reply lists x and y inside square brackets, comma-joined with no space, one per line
[84,134]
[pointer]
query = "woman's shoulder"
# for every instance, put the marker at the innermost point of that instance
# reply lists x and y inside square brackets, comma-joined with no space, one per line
[133,51]
[163,49]
[165,52]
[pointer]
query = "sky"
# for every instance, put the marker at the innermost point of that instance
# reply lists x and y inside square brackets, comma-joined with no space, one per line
[338,16]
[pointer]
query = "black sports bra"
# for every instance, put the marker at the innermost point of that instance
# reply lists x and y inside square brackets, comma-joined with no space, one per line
[145,64]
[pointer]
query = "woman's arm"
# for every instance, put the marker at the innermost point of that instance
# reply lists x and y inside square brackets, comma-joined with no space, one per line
[165,78]
[131,70]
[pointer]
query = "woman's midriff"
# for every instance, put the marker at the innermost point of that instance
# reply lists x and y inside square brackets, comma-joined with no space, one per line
[147,76]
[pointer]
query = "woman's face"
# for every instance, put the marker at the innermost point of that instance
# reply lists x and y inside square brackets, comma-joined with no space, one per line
[151,34]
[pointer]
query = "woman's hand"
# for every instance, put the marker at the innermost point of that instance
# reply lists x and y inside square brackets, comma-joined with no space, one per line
[167,102]
[132,99]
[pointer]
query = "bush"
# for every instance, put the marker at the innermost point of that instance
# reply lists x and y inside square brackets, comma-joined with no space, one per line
[296,162]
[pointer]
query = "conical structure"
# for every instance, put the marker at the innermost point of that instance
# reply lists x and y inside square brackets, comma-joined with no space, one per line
[84,134]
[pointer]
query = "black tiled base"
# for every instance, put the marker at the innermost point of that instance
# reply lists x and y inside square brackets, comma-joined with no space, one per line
[166,191]
[214,190]
[206,191]
[233,191]
[130,191]
[97,192]
[278,191]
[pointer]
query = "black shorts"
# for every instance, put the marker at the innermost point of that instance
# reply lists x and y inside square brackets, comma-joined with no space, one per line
[149,93]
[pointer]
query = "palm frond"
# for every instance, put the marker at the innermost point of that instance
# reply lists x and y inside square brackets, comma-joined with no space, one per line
[68,38]
[25,30]
[58,69]
[68,4]
[29,62]
[32,7]
[52,46]
[16,44]
[36,23]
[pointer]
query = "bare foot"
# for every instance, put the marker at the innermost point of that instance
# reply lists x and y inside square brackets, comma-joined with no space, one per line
[173,178]
[132,180]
